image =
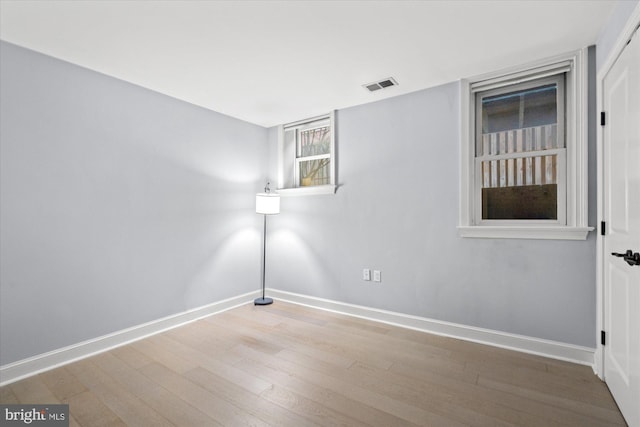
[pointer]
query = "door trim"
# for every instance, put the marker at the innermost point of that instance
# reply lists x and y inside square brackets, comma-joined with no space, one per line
[621,42]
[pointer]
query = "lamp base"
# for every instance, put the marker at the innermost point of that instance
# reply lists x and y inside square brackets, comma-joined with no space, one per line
[263,301]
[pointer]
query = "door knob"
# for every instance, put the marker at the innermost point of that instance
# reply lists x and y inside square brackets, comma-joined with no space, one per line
[630,257]
[628,253]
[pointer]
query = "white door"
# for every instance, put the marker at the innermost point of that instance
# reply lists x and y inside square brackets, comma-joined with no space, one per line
[621,100]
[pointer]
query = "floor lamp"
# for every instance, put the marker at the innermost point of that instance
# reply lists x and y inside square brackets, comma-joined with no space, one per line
[267,203]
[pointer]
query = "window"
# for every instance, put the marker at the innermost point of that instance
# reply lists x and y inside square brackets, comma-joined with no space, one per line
[520,152]
[523,152]
[307,151]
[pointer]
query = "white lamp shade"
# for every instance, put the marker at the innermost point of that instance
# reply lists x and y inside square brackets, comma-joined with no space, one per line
[267,203]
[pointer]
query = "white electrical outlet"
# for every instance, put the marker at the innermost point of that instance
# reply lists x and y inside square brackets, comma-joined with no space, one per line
[376,276]
[366,274]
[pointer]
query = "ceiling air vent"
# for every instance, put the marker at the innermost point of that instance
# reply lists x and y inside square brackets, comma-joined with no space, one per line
[372,87]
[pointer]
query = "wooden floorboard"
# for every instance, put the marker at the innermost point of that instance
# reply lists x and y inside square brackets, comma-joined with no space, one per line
[289,365]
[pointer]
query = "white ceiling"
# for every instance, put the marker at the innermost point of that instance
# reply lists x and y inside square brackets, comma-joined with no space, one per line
[272,62]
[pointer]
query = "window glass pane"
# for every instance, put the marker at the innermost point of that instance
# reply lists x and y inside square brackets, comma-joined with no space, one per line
[520,188]
[500,113]
[520,109]
[315,142]
[314,172]
[520,121]
[524,202]
[540,106]
[537,138]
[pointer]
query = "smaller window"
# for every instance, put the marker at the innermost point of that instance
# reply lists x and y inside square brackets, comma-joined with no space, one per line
[307,156]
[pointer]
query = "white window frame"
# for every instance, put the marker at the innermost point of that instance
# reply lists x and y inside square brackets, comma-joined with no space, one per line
[575,224]
[295,161]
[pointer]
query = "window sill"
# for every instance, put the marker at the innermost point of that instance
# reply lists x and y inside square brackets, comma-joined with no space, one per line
[307,191]
[523,232]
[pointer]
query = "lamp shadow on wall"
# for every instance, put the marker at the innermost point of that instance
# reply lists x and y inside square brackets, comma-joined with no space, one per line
[221,238]
[231,268]
[294,264]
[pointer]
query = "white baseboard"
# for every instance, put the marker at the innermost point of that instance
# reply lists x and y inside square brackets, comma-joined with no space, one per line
[34,365]
[43,362]
[521,343]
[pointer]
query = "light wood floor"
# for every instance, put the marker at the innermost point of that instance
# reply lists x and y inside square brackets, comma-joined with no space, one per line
[287,365]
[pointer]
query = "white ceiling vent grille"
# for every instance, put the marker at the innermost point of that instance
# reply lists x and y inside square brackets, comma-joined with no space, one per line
[382,84]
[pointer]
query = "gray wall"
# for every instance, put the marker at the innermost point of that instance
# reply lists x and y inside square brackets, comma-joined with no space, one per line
[612,29]
[118,205]
[396,210]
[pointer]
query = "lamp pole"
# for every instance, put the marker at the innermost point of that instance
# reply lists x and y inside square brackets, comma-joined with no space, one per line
[264,253]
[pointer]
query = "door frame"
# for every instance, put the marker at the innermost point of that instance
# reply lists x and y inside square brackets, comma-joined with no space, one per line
[624,36]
